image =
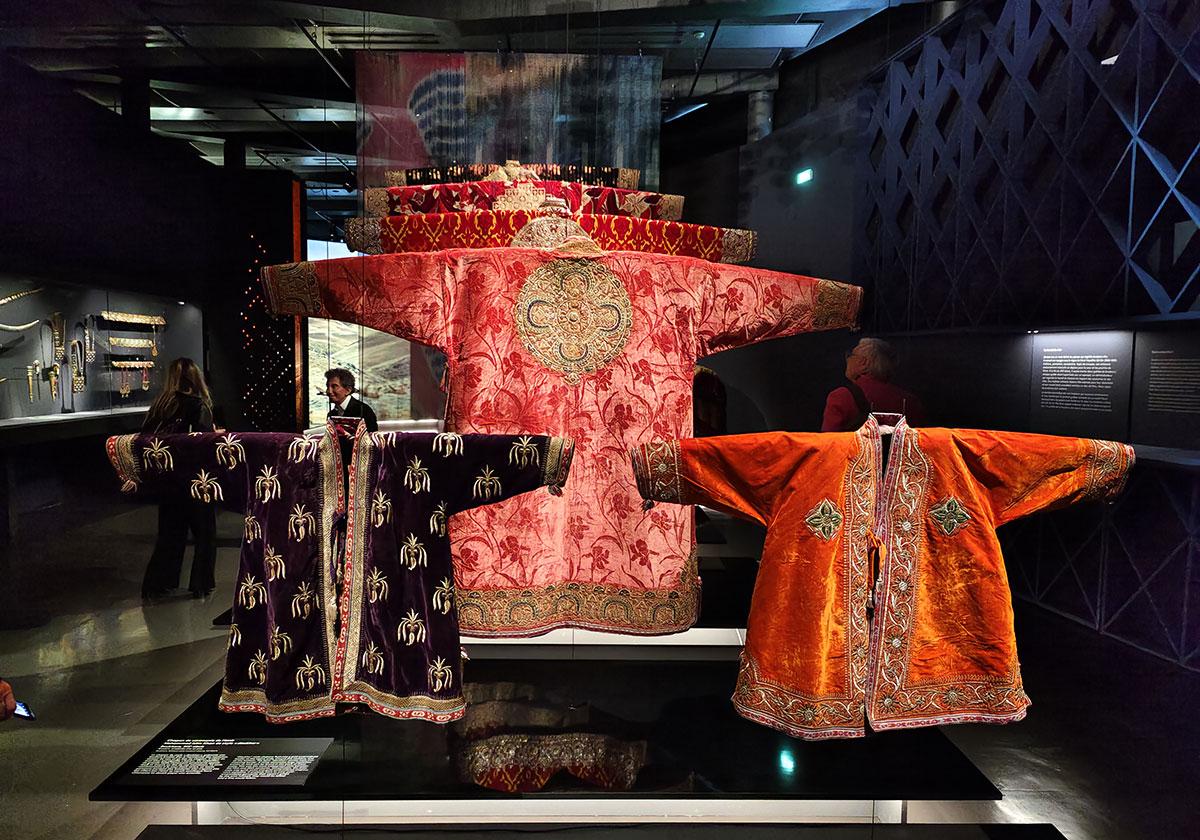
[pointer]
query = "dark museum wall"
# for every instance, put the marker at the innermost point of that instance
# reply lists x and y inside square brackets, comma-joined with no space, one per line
[1034,165]
[95,199]
[1023,166]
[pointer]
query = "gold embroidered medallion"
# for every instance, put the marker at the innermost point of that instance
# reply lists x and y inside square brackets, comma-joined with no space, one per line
[824,520]
[573,316]
[950,515]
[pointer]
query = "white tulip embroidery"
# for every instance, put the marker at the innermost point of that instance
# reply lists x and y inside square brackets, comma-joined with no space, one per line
[309,675]
[437,520]
[251,593]
[205,488]
[230,452]
[235,636]
[416,477]
[412,553]
[258,668]
[381,509]
[281,643]
[158,455]
[372,659]
[253,530]
[266,486]
[383,439]
[443,596]
[302,448]
[440,675]
[303,601]
[448,443]
[524,452]
[377,586]
[486,485]
[273,563]
[301,523]
[411,629]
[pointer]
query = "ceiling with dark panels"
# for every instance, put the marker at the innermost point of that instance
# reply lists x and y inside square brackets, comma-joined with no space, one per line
[272,81]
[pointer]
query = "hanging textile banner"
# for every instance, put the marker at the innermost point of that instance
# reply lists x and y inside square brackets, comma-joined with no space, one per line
[438,109]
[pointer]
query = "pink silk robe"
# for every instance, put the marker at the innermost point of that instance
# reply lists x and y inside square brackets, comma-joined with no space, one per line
[600,348]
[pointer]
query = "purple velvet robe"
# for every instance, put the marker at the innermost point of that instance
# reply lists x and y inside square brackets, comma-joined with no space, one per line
[343,595]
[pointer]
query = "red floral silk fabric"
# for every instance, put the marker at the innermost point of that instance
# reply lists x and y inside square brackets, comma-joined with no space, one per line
[592,557]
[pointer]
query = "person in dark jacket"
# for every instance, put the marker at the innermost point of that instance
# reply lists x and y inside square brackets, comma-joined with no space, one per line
[183,406]
[869,368]
[339,387]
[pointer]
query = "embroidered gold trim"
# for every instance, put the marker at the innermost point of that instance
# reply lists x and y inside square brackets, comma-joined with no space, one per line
[435,706]
[293,289]
[524,195]
[375,201]
[824,520]
[656,469]
[670,207]
[330,488]
[536,610]
[962,698]
[615,761]
[132,365]
[627,179]
[556,233]
[120,455]
[836,305]
[395,177]
[133,318]
[738,246]
[573,316]
[363,235]
[1108,466]
[557,463]
[357,534]
[800,715]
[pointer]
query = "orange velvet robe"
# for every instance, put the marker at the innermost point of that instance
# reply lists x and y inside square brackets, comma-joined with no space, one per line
[938,646]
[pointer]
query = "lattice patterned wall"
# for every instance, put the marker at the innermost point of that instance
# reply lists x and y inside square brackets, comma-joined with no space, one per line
[1034,162]
[1130,570]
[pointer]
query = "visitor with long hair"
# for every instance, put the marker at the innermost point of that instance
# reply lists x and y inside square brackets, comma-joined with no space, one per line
[183,406]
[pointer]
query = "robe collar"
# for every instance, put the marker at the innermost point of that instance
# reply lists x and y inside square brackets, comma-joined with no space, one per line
[876,419]
[332,423]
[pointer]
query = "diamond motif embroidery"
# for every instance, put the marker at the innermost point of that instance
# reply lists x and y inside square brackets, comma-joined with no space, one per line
[950,515]
[824,520]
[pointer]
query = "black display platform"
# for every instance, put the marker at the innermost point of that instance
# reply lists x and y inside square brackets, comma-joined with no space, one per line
[696,745]
[657,831]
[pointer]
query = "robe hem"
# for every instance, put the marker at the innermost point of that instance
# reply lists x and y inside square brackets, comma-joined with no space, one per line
[534,611]
[950,718]
[797,731]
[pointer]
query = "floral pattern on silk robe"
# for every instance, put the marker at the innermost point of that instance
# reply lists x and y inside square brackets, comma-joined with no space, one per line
[940,646]
[601,349]
[343,600]
[520,195]
[496,229]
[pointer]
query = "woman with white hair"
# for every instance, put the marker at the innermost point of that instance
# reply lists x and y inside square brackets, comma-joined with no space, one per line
[869,369]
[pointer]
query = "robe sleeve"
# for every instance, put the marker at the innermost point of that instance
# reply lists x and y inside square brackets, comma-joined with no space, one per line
[743,475]
[739,305]
[1021,473]
[483,469]
[401,294]
[220,469]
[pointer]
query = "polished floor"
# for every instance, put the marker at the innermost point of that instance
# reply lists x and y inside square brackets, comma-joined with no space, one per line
[1109,749]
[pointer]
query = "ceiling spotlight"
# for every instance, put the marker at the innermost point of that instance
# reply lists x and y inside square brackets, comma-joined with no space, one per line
[804,176]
